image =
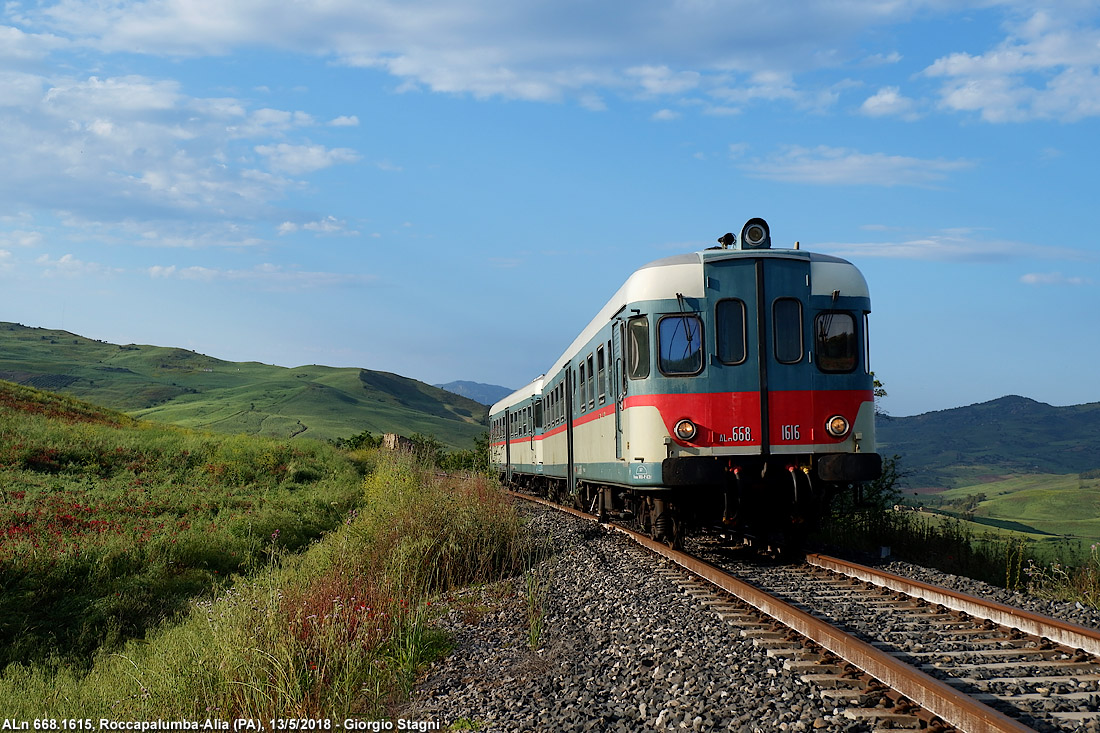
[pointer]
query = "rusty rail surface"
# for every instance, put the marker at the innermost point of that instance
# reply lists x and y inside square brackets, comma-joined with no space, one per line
[950,705]
[1060,632]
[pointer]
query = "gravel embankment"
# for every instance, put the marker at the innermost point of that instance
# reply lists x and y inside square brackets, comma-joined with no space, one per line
[621,650]
[1073,612]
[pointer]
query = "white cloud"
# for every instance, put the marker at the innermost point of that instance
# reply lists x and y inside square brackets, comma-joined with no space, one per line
[265,276]
[842,166]
[662,80]
[18,46]
[949,245]
[112,150]
[6,261]
[1048,67]
[540,50]
[1053,278]
[889,102]
[299,159]
[68,266]
[328,225]
[19,238]
[665,115]
[344,121]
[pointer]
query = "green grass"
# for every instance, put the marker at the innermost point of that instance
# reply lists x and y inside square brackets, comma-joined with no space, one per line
[156,573]
[1044,507]
[184,388]
[343,629]
[110,526]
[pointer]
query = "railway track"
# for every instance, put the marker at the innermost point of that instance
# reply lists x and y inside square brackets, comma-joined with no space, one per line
[898,653]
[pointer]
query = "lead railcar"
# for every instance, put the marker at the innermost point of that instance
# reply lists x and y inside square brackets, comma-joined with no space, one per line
[729,387]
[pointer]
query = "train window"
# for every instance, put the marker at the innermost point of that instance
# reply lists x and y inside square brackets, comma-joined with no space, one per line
[601,373]
[591,383]
[835,342]
[730,324]
[787,325]
[584,388]
[681,345]
[538,414]
[638,348]
[866,342]
[610,370]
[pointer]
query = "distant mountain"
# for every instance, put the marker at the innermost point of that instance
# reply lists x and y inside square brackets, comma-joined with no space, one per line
[486,394]
[1009,435]
[186,388]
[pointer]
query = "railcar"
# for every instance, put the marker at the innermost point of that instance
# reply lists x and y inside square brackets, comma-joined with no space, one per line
[727,388]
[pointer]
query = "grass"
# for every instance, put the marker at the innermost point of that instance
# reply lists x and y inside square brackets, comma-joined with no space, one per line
[1021,551]
[340,630]
[110,526]
[153,573]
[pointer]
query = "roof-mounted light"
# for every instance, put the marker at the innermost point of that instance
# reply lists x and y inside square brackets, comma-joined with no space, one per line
[756,235]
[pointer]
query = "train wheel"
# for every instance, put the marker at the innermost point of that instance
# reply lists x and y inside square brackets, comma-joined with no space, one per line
[665,524]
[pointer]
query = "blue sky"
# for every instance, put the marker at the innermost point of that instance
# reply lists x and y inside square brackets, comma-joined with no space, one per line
[450,190]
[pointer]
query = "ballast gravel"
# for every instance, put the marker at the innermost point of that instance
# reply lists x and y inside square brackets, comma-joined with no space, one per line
[621,649]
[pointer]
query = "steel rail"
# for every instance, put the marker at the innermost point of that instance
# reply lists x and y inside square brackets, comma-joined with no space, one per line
[939,698]
[1060,632]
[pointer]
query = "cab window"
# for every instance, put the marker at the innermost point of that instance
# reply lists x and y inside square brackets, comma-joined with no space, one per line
[835,342]
[730,324]
[681,345]
[637,331]
[787,327]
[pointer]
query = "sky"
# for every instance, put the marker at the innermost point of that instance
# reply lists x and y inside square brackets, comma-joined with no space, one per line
[451,190]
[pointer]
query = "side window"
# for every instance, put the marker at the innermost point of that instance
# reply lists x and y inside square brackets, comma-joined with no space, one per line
[584,388]
[787,325]
[637,351]
[730,323]
[591,383]
[835,342]
[601,374]
[681,345]
[538,413]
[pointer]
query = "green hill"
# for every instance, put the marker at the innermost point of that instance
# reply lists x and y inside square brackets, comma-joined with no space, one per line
[182,387]
[988,441]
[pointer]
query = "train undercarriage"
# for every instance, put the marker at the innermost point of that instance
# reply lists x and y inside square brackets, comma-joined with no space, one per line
[771,513]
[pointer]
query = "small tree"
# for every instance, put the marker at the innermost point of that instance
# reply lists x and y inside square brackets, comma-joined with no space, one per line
[357,442]
[427,449]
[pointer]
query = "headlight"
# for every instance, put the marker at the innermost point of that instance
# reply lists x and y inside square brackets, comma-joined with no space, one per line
[685,430]
[836,426]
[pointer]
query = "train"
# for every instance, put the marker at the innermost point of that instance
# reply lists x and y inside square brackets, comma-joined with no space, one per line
[728,389]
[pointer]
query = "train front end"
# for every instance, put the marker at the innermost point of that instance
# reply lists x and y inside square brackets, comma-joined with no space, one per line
[761,379]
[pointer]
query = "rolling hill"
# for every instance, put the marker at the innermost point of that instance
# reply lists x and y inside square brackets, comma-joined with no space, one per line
[1004,437]
[486,394]
[183,387]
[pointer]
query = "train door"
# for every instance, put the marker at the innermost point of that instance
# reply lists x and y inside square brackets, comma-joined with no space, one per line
[508,418]
[761,344]
[618,382]
[570,468]
[786,371]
